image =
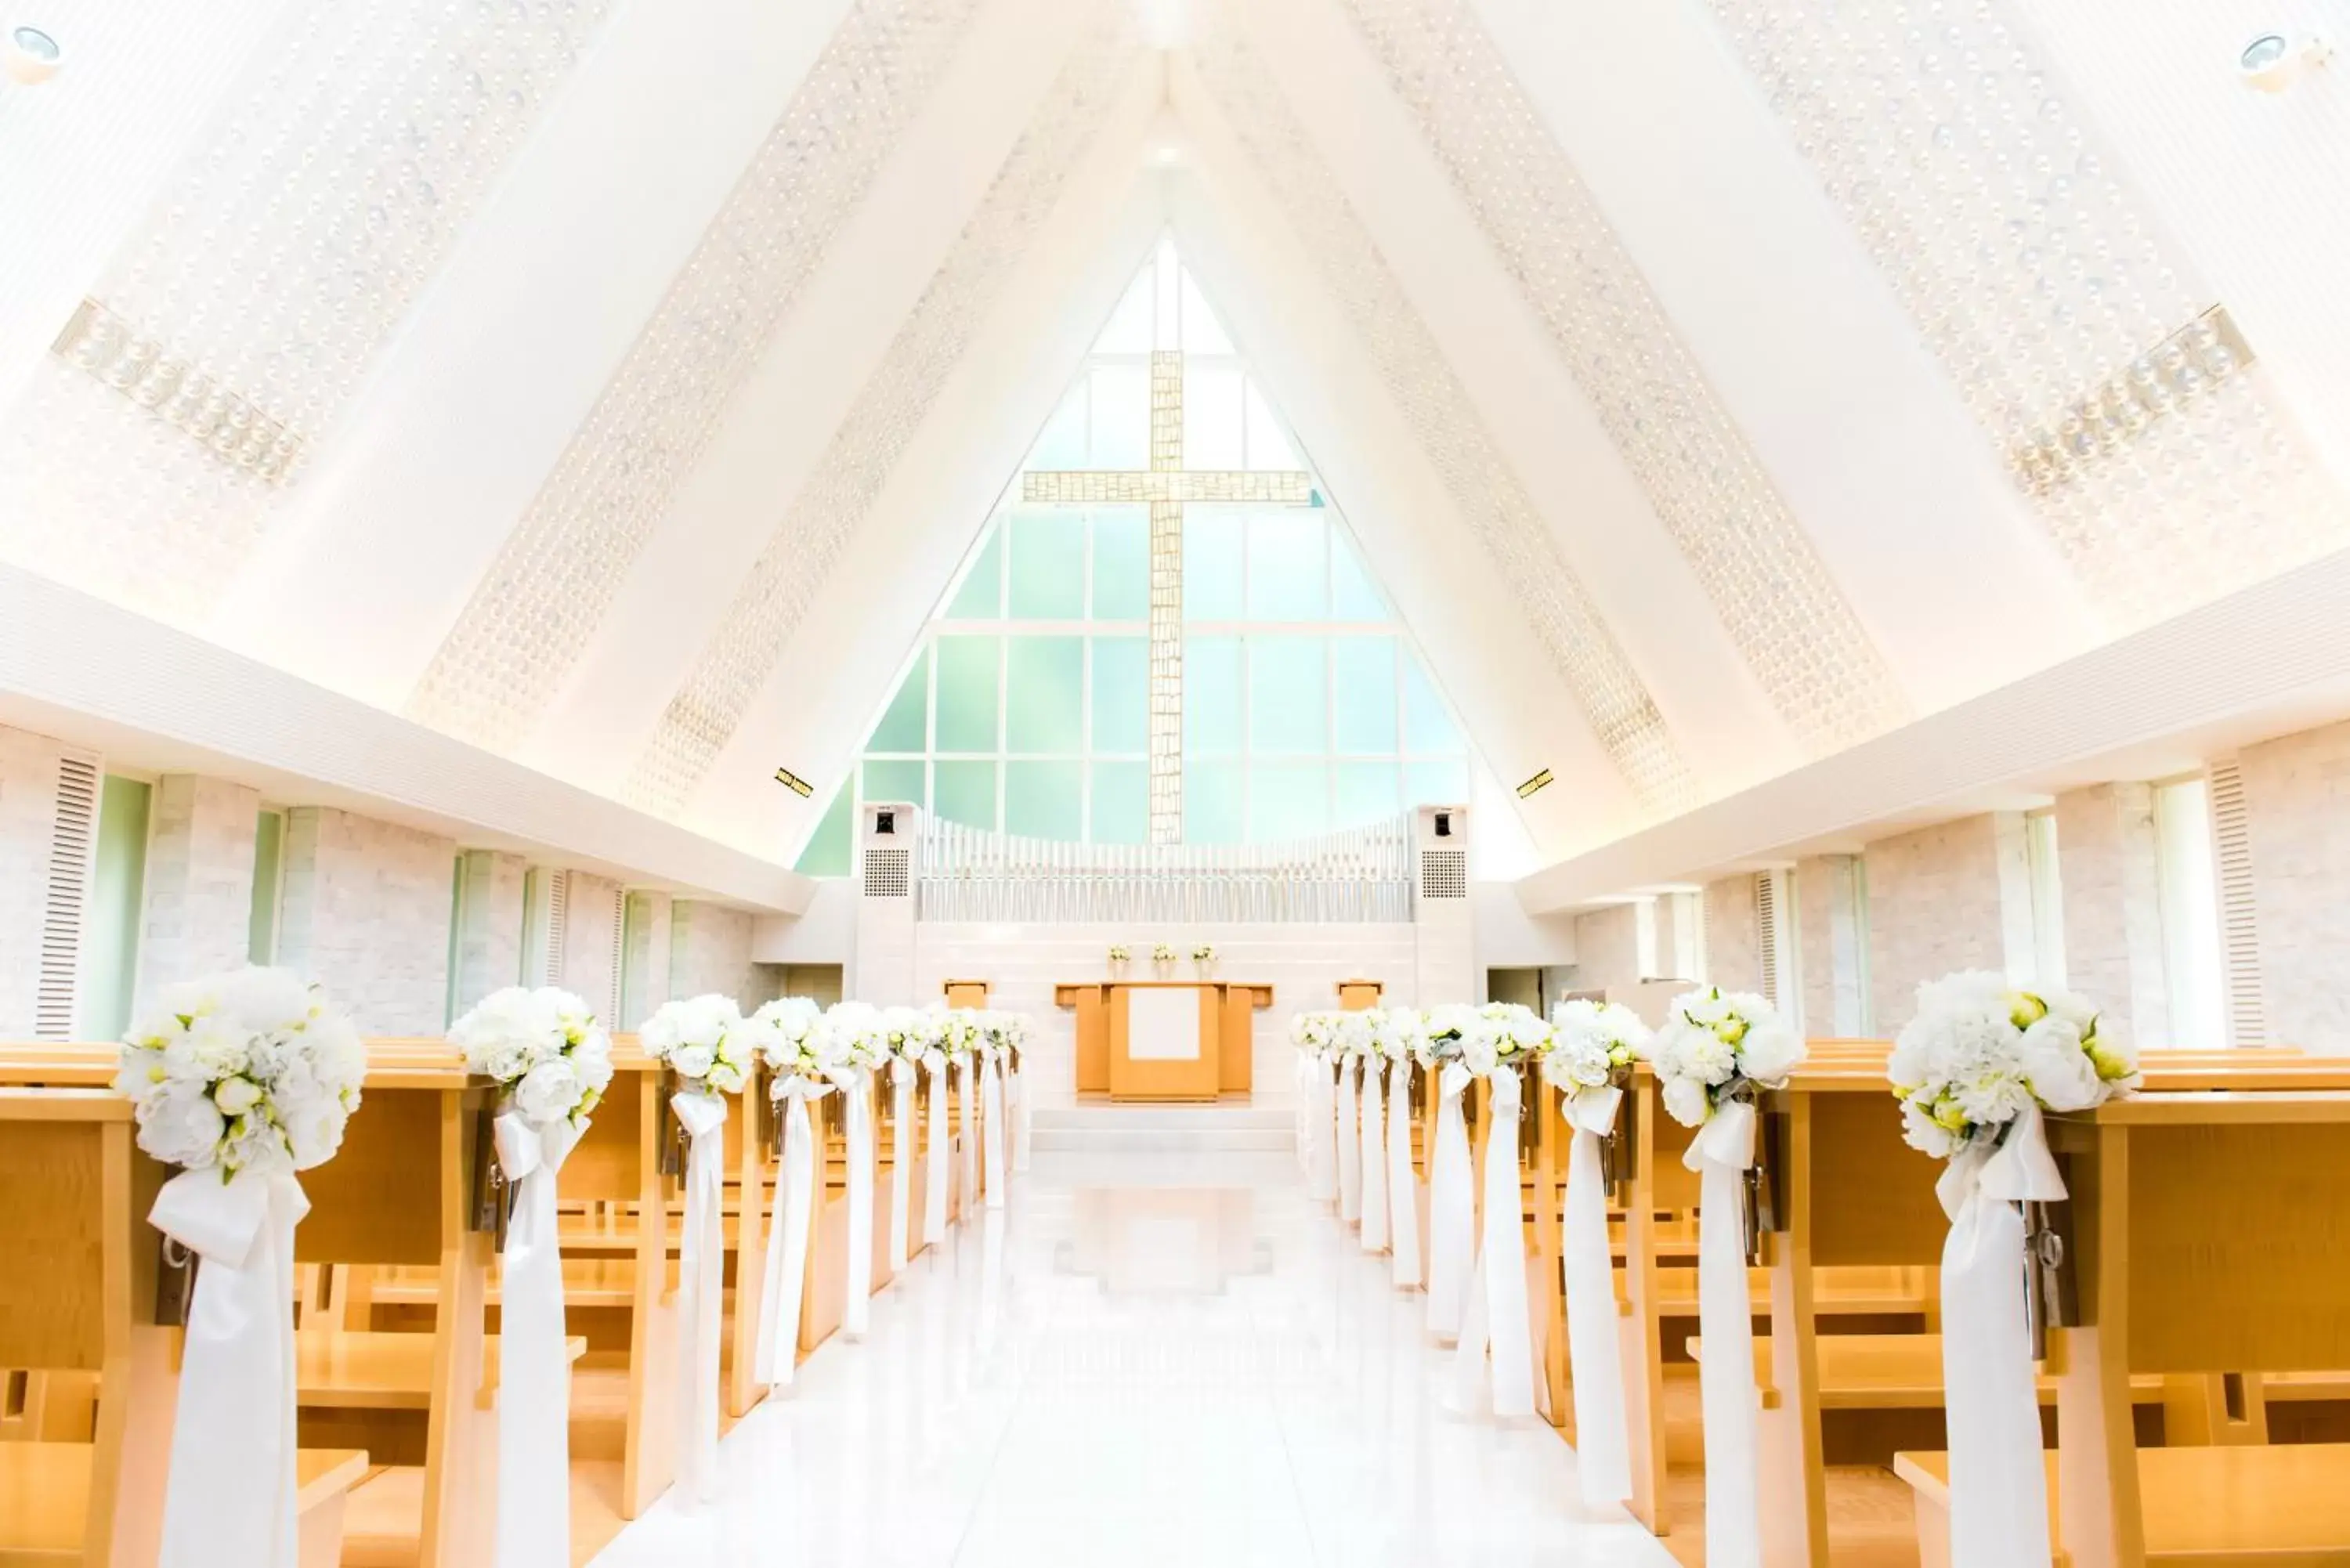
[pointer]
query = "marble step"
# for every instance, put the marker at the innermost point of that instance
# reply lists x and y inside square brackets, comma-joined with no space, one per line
[1159,1129]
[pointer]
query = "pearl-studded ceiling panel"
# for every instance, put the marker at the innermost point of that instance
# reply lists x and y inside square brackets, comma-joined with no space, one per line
[559,570]
[145,457]
[2128,410]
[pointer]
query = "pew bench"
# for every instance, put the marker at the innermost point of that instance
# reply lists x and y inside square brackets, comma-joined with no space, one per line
[2286,1506]
[45,1492]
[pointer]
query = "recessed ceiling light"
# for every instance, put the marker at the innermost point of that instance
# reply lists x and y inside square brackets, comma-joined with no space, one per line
[1168,155]
[32,55]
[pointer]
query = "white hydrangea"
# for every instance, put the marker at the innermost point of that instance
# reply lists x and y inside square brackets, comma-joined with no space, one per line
[1396,1033]
[1981,1051]
[1313,1033]
[1589,1041]
[1714,1043]
[250,1070]
[544,1048]
[703,1039]
[958,1030]
[789,1035]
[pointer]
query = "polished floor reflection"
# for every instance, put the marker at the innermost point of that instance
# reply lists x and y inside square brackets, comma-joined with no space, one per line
[1145,1360]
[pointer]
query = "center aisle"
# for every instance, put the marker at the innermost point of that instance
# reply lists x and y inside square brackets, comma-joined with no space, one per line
[1156,1360]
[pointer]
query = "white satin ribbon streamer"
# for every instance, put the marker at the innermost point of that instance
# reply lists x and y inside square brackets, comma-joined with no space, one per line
[1374,1159]
[776,1354]
[1452,1207]
[1999,1482]
[1322,1146]
[934,1166]
[229,1501]
[1015,1089]
[1403,1186]
[967,1109]
[701,1260]
[857,1304]
[1302,1122]
[1351,1144]
[533,1508]
[901,1161]
[991,1103]
[1602,1449]
[1720,1154]
[1497,1317]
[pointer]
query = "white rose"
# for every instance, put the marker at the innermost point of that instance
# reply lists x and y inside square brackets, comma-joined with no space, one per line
[1685,1101]
[1920,1131]
[693,1061]
[727,1077]
[234,1096]
[180,1125]
[1769,1052]
[549,1091]
[2060,1072]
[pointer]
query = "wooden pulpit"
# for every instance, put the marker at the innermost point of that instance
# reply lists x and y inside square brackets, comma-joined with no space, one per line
[1358,995]
[966,993]
[1163,1039]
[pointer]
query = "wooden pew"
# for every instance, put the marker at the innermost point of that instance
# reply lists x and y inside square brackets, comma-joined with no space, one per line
[74,1196]
[2207,1241]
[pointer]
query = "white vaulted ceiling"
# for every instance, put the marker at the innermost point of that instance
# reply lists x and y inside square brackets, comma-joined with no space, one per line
[613,386]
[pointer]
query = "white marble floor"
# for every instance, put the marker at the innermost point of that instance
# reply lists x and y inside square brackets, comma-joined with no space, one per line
[1145,1360]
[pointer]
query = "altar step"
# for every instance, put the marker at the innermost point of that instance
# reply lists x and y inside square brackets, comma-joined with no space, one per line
[1163,1129]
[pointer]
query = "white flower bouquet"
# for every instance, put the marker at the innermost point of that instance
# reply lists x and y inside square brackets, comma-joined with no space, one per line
[1119,952]
[1395,1033]
[1444,1033]
[790,1037]
[1981,1051]
[1204,953]
[549,1057]
[1717,1046]
[1592,1042]
[1313,1033]
[1161,953]
[1503,1035]
[251,1070]
[911,1032]
[703,1041]
[958,1030]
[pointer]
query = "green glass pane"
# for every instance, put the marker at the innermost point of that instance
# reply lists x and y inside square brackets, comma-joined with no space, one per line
[827,851]
[1212,802]
[1211,695]
[1122,563]
[1363,700]
[1121,694]
[268,851]
[1062,444]
[1427,728]
[895,781]
[1366,792]
[1044,678]
[1288,800]
[900,729]
[1436,784]
[1121,416]
[1352,595]
[117,885]
[1121,803]
[1048,565]
[980,597]
[967,792]
[1212,543]
[1041,800]
[1288,696]
[1288,568]
[967,668]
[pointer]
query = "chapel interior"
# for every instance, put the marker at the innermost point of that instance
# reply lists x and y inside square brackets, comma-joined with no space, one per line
[1441,783]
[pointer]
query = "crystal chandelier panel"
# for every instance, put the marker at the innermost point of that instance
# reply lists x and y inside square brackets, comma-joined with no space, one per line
[267,278]
[2052,296]
[558,572]
[1414,371]
[873,436]
[1806,649]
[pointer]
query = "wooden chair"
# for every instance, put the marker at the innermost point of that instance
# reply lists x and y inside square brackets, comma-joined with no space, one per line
[74,1197]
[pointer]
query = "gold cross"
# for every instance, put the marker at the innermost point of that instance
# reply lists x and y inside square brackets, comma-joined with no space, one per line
[1167,486]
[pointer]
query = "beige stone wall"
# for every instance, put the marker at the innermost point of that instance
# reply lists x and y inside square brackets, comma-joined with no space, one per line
[591,942]
[2107,857]
[365,914]
[197,918]
[710,950]
[1733,935]
[28,815]
[1832,940]
[2297,806]
[489,944]
[1606,950]
[1940,898]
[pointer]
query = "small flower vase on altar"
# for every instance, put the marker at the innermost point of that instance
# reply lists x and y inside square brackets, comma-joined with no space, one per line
[1204,960]
[1118,960]
[1162,961]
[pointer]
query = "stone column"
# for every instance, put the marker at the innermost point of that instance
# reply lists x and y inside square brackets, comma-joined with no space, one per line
[489,925]
[365,914]
[2111,870]
[198,919]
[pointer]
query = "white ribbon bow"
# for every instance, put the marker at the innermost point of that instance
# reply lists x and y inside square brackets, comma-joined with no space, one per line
[1452,1207]
[1015,1091]
[901,1161]
[1403,1186]
[534,1509]
[776,1354]
[1603,1450]
[1321,1147]
[990,1099]
[941,1149]
[229,1499]
[1374,1160]
[1497,1317]
[702,1257]
[1999,1482]
[1304,1119]
[856,1283]
[1351,1144]
[1720,1152]
[967,1113]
